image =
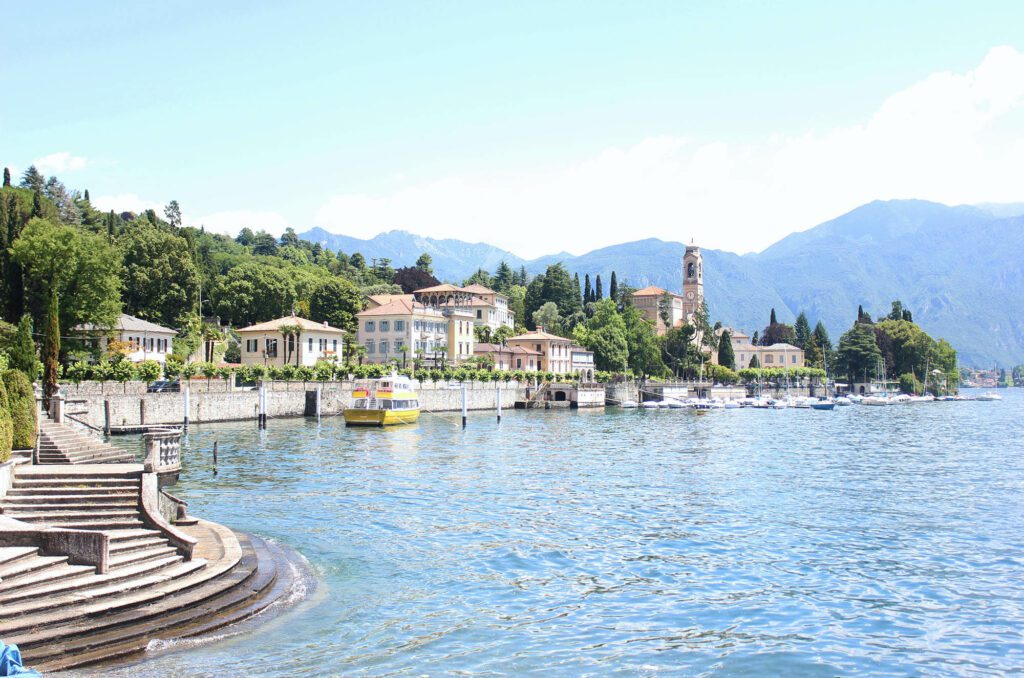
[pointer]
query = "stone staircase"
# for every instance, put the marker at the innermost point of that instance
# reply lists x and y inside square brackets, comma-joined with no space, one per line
[62,444]
[62,614]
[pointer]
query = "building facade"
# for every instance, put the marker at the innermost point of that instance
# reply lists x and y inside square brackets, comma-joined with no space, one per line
[693,280]
[776,355]
[509,357]
[581,362]
[144,340]
[290,340]
[403,327]
[490,308]
[649,301]
[555,352]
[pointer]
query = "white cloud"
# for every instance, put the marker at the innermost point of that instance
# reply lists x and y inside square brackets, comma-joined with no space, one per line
[231,222]
[952,137]
[56,163]
[126,202]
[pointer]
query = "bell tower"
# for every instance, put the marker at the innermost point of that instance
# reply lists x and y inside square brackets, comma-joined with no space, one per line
[693,280]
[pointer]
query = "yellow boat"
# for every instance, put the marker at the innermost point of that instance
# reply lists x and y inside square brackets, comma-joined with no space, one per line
[383,402]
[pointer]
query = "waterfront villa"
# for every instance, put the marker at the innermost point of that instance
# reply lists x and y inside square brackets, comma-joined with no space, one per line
[582,363]
[509,357]
[776,355]
[490,308]
[143,339]
[402,327]
[290,340]
[555,354]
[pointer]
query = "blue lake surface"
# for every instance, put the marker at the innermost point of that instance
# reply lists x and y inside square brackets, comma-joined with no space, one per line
[868,540]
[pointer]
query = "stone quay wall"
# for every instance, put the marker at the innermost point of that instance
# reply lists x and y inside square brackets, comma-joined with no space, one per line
[284,399]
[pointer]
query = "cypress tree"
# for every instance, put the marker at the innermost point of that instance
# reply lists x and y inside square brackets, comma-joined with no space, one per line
[87,195]
[576,284]
[726,356]
[773,321]
[613,289]
[23,350]
[51,350]
[598,288]
[7,177]
[37,205]
[588,293]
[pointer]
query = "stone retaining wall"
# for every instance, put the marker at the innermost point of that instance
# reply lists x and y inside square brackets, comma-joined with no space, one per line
[284,399]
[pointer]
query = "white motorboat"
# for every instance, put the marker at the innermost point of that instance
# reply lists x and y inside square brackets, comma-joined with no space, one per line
[843,401]
[989,397]
[628,404]
[876,401]
[649,405]
[732,405]
[921,399]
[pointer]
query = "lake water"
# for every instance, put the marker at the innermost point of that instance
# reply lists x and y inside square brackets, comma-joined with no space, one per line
[744,542]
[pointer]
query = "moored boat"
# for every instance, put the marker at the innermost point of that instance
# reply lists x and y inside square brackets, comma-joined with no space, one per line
[383,402]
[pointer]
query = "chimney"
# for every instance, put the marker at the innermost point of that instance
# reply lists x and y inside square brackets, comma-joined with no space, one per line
[540,328]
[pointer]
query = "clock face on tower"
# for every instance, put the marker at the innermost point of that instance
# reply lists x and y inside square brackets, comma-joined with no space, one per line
[690,295]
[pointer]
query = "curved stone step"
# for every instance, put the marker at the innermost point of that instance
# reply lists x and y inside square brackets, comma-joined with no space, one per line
[35,500]
[232,596]
[60,515]
[16,587]
[126,489]
[8,508]
[98,525]
[155,552]
[20,567]
[12,554]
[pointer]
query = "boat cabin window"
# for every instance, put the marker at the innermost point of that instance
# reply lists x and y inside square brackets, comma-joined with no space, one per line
[360,404]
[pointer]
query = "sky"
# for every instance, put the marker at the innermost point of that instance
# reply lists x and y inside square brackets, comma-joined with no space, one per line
[539,127]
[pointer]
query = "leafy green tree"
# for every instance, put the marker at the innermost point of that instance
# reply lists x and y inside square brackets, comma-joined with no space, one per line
[6,426]
[289,238]
[559,289]
[357,261]
[480,277]
[172,212]
[336,301]
[533,299]
[605,335]
[726,356]
[252,293]
[482,334]
[802,330]
[642,340]
[665,309]
[246,237]
[264,243]
[81,269]
[160,277]
[426,264]
[148,371]
[22,352]
[412,278]
[858,354]
[680,350]
[547,316]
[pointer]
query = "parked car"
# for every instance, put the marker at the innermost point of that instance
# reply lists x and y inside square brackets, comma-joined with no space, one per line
[164,386]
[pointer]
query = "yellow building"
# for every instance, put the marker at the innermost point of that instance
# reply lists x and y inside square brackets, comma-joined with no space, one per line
[290,340]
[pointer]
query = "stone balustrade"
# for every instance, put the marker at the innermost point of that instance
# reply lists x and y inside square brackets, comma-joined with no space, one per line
[163,451]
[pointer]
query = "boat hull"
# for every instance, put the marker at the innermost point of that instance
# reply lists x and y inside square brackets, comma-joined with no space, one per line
[354,417]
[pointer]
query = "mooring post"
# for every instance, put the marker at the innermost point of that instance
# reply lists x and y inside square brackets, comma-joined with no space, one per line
[214,457]
[184,425]
[318,394]
[106,418]
[263,405]
[497,389]
[463,404]
[142,411]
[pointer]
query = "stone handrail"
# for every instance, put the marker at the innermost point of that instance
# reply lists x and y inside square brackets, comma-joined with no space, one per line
[82,547]
[163,451]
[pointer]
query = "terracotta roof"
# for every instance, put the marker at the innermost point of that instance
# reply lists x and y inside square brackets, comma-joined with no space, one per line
[535,335]
[522,350]
[278,323]
[476,288]
[445,287]
[127,323]
[652,291]
[490,348]
[381,299]
[782,347]
[397,306]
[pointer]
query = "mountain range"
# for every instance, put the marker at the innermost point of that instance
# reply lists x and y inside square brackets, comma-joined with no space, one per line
[958,269]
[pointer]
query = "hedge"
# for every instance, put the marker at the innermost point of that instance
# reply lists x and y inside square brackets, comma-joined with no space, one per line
[22,406]
[6,427]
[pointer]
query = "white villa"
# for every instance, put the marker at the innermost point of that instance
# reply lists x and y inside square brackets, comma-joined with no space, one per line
[290,340]
[145,340]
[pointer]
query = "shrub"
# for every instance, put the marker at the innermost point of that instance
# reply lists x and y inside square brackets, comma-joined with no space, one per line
[22,406]
[6,425]
[148,371]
